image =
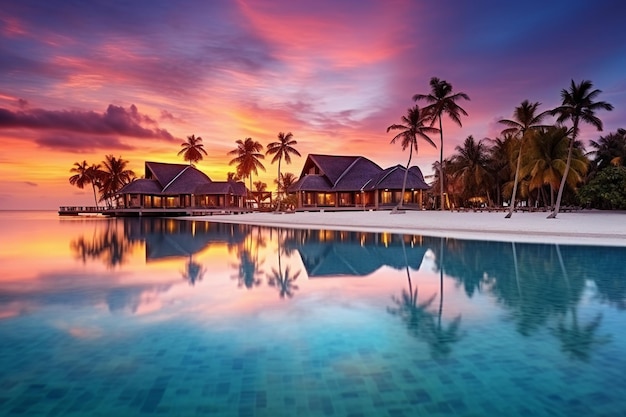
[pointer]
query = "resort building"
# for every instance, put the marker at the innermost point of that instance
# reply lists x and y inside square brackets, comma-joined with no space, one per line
[329,181]
[179,186]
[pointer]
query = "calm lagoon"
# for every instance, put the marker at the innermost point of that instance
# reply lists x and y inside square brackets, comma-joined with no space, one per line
[125,317]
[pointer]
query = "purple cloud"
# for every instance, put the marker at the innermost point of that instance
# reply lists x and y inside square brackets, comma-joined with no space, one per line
[116,120]
[81,143]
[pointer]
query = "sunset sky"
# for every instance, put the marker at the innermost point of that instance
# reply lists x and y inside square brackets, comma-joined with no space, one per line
[80,80]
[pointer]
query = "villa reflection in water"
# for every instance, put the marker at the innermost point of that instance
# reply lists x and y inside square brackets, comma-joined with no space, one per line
[538,285]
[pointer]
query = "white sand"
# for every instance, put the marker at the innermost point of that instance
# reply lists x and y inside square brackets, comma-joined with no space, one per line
[585,227]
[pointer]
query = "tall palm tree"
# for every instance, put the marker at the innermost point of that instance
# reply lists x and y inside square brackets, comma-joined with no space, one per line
[284,148]
[192,149]
[115,174]
[525,118]
[442,101]
[577,105]
[469,165]
[411,128]
[247,157]
[85,174]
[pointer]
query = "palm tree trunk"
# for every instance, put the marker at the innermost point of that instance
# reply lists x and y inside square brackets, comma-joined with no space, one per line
[95,199]
[441,163]
[406,173]
[566,173]
[278,187]
[519,160]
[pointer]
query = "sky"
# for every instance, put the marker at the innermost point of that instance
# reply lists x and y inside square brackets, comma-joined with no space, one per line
[82,80]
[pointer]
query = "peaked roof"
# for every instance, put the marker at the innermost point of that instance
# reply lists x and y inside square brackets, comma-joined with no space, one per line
[348,254]
[141,186]
[393,178]
[167,179]
[164,172]
[335,172]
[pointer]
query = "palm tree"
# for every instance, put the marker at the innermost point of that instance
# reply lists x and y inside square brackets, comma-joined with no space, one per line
[285,181]
[247,157]
[525,118]
[442,101]
[259,189]
[85,174]
[411,128]
[115,175]
[609,150]
[192,149]
[284,148]
[469,166]
[500,164]
[577,105]
[544,160]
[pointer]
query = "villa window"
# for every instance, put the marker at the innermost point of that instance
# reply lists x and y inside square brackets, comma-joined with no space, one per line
[326,199]
[345,199]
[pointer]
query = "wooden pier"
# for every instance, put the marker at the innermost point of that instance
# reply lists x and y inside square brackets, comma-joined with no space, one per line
[149,212]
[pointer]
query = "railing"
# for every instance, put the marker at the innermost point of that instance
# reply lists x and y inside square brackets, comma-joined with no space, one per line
[82,209]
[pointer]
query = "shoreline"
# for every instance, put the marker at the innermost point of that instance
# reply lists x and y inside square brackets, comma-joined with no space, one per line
[588,227]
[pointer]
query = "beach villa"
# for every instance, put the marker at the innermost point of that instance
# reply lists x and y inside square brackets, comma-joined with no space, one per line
[329,181]
[168,187]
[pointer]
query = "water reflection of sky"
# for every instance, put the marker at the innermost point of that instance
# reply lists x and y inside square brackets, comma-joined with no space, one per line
[314,292]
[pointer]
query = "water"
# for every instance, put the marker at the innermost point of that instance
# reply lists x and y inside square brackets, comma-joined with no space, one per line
[126,317]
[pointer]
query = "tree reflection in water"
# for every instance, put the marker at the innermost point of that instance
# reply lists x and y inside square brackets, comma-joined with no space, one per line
[193,272]
[283,280]
[422,322]
[541,285]
[576,340]
[109,245]
[247,252]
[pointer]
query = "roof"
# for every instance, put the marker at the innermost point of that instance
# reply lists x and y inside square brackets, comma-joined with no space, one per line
[357,175]
[141,186]
[344,254]
[336,173]
[167,179]
[311,183]
[221,188]
[393,177]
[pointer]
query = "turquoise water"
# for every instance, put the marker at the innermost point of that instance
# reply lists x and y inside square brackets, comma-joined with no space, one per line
[125,317]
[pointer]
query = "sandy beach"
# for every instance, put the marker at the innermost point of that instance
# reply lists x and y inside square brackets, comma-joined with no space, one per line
[588,227]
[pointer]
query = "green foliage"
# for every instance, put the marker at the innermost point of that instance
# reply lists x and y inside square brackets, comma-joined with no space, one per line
[607,190]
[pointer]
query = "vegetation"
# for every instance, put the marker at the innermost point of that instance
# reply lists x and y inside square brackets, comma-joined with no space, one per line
[442,101]
[607,190]
[284,148]
[108,177]
[525,119]
[412,127]
[247,158]
[577,105]
[192,149]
